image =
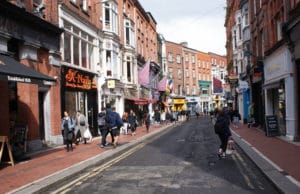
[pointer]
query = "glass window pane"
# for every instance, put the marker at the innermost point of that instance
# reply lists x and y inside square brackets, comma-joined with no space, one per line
[83,54]
[75,51]
[67,47]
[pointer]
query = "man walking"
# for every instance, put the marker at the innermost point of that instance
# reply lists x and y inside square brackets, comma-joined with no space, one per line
[102,127]
[114,122]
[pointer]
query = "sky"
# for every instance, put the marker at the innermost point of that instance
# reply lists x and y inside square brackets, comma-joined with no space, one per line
[200,23]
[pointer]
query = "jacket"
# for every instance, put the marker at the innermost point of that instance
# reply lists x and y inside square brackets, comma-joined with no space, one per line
[113,119]
[71,123]
[101,119]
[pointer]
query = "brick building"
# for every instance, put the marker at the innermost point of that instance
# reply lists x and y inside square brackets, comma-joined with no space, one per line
[30,86]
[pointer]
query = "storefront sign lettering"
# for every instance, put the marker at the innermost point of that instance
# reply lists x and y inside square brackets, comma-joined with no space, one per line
[76,79]
[179,101]
[18,79]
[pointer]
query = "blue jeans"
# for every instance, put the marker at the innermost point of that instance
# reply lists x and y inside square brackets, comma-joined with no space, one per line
[104,132]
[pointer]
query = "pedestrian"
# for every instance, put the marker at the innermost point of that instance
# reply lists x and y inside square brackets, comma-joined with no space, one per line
[82,125]
[132,122]
[125,122]
[250,115]
[67,126]
[102,127]
[236,117]
[223,131]
[114,123]
[147,122]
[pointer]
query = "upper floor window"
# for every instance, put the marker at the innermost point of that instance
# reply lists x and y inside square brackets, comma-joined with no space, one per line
[193,59]
[129,33]
[84,5]
[179,74]
[194,90]
[186,58]
[171,73]
[77,46]
[194,74]
[178,59]
[170,57]
[187,90]
[110,15]
[186,73]
[278,26]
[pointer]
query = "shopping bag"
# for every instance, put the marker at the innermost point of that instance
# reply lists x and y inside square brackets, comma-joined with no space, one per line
[230,146]
[87,134]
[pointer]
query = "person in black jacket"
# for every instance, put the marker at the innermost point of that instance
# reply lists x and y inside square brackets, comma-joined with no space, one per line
[223,133]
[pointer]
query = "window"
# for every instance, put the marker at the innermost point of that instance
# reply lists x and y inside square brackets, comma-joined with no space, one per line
[278,25]
[194,74]
[187,90]
[170,73]
[170,57]
[178,59]
[194,90]
[78,47]
[129,34]
[84,5]
[179,74]
[193,59]
[129,72]
[110,15]
[186,58]
[204,91]
[67,47]
[186,73]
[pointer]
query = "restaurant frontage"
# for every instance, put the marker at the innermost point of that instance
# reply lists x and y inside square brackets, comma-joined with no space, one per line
[79,92]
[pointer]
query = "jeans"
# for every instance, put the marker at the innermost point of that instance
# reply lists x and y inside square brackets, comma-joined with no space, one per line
[104,132]
[224,140]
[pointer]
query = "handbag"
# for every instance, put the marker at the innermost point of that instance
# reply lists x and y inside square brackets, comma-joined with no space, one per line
[70,136]
[87,134]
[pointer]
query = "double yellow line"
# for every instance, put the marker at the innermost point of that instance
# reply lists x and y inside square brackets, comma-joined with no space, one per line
[66,188]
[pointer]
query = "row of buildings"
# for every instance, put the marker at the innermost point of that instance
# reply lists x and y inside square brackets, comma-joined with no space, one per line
[263,60]
[82,54]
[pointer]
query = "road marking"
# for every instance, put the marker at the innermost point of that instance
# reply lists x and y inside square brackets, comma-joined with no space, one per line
[246,178]
[97,170]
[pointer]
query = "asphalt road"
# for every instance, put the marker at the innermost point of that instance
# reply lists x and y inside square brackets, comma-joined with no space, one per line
[183,160]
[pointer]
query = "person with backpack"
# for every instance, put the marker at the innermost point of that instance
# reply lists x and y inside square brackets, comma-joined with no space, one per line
[82,125]
[67,127]
[114,123]
[223,131]
[102,127]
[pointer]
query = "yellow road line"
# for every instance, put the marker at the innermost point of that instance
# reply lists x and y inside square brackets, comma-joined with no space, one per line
[97,170]
[236,157]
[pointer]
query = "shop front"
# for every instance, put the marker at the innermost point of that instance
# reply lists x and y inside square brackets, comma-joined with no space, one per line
[279,91]
[79,92]
[179,104]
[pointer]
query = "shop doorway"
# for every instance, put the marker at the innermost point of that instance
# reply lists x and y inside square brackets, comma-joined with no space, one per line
[41,115]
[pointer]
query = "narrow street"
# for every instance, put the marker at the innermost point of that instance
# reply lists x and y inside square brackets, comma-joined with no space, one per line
[182,161]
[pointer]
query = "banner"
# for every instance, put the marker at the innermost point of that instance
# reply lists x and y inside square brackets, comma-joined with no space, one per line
[143,75]
[162,85]
[217,86]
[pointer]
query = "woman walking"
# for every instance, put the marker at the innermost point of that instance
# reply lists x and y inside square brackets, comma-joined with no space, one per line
[147,122]
[132,122]
[67,126]
[223,131]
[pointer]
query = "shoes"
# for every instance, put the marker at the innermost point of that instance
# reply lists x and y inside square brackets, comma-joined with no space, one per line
[102,146]
[223,155]
[115,145]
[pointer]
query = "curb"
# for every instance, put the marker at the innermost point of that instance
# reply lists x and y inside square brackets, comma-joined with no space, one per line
[283,182]
[42,183]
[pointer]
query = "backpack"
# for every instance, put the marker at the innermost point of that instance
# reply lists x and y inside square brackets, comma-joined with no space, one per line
[101,119]
[220,126]
[81,120]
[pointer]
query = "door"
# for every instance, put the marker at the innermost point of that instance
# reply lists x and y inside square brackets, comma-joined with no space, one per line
[41,115]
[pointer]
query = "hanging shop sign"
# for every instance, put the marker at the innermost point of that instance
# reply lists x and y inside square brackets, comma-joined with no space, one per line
[77,79]
[178,101]
[111,84]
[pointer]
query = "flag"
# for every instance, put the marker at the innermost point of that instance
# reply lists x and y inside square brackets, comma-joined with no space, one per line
[217,84]
[143,75]
[170,85]
[162,85]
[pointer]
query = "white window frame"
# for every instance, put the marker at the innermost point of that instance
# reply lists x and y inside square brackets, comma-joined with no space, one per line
[178,59]
[110,24]
[128,25]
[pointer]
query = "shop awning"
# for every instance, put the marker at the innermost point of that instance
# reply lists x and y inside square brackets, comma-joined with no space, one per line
[12,70]
[138,101]
[149,100]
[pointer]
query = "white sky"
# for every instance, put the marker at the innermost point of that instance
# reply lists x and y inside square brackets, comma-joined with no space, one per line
[198,22]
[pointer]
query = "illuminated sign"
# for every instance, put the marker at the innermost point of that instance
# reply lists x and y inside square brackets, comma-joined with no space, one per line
[111,84]
[77,79]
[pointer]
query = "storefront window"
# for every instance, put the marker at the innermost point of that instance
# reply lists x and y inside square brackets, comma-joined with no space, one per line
[75,101]
[281,110]
[83,54]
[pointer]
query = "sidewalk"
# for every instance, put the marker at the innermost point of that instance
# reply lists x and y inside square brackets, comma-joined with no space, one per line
[44,164]
[277,158]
